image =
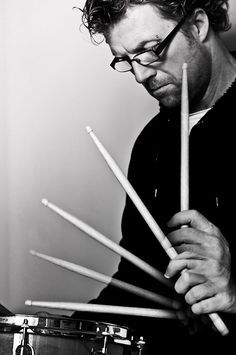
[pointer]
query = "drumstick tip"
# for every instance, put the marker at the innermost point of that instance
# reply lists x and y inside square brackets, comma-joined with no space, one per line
[88,129]
[44,202]
[185,65]
[33,252]
[28,303]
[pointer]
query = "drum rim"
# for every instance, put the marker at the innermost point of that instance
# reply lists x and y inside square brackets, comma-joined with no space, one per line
[50,324]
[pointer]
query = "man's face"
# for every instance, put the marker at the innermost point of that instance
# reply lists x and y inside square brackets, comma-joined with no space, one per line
[142,28]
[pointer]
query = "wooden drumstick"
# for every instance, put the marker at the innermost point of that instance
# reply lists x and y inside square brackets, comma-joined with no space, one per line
[133,196]
[78,269]
[109,243]
[85,307]
[163,240]
[184,190]
[184,178]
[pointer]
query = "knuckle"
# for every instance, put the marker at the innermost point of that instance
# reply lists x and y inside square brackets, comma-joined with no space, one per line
[177,287]
[184,247]
[191,297]
[194,212]
[228,302]
[187,254]
[219,253]
[180,285]
[212,228]
[199,308]
[217,270]
[216,230]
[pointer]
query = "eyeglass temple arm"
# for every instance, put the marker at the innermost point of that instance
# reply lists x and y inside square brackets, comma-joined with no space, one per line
[164,43]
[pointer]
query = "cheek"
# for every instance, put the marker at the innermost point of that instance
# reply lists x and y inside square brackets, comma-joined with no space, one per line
[196,56]
[183,50]
[199,79]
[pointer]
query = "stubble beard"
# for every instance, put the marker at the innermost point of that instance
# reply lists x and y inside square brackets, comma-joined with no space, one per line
[169,96]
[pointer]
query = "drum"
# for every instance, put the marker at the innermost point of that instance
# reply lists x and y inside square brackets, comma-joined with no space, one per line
[61,335]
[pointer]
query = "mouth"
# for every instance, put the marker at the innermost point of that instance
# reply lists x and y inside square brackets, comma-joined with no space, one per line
[155,88]
[158,90]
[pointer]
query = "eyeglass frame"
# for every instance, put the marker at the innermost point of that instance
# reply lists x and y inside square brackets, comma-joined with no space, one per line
[166,41]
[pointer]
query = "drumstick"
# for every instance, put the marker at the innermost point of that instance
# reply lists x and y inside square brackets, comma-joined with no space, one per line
[184,190]
[109,243]
[133,196]
[184,179]
[78,269]
[85,307]
[171,252]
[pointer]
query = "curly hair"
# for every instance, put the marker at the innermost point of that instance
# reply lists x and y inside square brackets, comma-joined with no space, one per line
[99,15]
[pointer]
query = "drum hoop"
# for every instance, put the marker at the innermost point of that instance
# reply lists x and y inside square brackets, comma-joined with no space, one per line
[64,326]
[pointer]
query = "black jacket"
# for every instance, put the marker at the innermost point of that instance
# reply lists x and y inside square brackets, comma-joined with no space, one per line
[154,172]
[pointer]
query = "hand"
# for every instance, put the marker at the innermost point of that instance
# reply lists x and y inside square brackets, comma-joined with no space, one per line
[204,263]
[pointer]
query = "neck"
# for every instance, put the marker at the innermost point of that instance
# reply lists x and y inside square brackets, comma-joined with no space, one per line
[222,76]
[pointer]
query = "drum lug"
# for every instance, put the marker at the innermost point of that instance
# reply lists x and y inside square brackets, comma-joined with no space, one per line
[104,346]
[140,345]
[24,348]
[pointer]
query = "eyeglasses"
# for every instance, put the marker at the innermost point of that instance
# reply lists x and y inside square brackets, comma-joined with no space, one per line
[148,56]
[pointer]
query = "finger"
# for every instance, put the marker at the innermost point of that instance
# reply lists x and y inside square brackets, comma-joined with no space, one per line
[183,261]
[207,245]
[194,241]
[205,306]
[191,248]
[193,219]
[187,280]
[199,293]
[184,235]
[213,304]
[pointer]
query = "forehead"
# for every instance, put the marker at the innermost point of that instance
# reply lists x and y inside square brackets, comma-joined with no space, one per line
[141,24]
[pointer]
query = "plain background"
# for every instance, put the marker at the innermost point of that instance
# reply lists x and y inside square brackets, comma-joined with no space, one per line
[53,83]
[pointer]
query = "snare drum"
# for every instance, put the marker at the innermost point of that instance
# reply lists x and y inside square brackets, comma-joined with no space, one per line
[56,335]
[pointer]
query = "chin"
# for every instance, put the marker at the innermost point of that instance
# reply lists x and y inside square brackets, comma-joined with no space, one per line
[168,98]
[168,101]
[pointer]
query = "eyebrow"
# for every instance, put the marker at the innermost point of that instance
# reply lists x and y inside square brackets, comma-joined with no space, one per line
[141,46]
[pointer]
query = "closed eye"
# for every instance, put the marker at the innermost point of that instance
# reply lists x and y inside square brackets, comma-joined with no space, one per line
[121,59]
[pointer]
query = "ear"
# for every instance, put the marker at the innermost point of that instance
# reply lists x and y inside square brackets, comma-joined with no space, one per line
[201,24]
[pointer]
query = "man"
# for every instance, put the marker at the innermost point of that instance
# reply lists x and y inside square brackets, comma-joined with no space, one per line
[152,39]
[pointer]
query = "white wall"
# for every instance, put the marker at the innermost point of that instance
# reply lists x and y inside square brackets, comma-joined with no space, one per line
[54,82]
[4,260]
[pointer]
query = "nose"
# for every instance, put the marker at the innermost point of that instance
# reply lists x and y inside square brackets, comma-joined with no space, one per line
[142,73]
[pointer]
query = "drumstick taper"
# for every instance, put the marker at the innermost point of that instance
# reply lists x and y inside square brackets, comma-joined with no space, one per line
[184,170]
[81,270]
[108,243]
[85,307]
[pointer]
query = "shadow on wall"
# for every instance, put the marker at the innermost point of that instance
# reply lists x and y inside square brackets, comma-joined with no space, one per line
[229,37]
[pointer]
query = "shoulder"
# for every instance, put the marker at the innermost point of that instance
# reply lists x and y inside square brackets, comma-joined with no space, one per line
[149,134]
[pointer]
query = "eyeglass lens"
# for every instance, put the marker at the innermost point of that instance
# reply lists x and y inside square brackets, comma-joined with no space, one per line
[147,57]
